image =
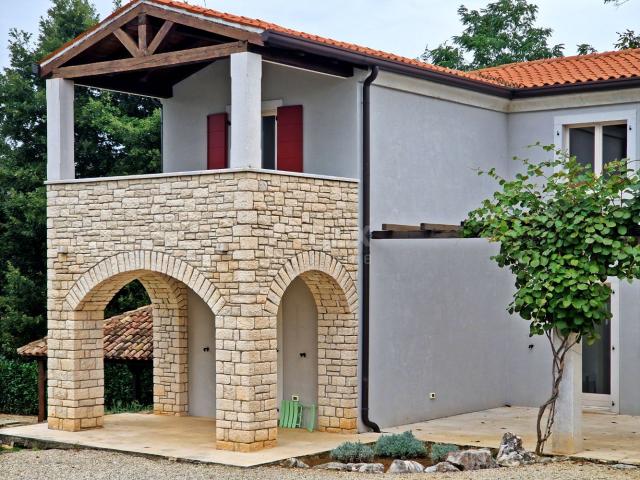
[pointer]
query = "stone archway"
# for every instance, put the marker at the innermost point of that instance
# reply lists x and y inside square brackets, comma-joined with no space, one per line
[75,343]
[335,295]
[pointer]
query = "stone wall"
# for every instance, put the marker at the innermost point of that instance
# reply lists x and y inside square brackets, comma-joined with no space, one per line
[237,239]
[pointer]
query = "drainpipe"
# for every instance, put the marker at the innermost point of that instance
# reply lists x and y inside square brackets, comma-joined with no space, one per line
[364,248]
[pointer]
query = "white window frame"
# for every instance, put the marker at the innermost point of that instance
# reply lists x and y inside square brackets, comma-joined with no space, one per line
[611,402]
[563,123]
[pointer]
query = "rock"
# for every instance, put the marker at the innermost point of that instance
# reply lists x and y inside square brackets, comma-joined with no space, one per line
[293,463]
[442,467]
[366,467]
[405,466]
[472,459]
[511,452]
[624,466]
[332,466]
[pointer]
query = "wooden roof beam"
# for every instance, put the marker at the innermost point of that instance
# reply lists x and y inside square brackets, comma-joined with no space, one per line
[166,27]
[128,42]
[159,60]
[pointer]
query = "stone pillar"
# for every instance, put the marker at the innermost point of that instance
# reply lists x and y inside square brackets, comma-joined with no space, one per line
[171,355]
[567,428]
[60,156]
[246,114]
[75,370]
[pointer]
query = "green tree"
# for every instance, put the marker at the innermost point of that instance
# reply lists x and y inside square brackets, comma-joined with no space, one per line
[627,39]
[115,134]
[563,231]
[504,31]
[585,49]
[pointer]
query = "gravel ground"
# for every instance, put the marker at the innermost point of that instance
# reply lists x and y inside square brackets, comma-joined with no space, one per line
[97,465]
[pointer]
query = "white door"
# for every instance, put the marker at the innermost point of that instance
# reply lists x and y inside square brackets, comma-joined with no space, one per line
[600,366]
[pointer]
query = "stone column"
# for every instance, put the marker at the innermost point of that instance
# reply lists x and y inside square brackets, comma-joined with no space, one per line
[567,428]
[246,114]
[60,157]
[75,370]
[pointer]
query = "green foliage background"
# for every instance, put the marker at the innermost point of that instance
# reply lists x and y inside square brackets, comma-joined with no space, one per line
[116,134]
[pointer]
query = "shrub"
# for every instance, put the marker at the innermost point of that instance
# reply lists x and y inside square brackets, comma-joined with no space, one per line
[119,386]
[439,451]
[18,387]
[352,452]
[403,445]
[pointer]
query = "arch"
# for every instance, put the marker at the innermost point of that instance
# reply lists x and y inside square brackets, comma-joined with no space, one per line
[335,294]
[145,260]
[76,373]
[308,262]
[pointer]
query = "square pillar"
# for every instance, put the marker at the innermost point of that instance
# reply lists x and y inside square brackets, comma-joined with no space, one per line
[567,428]
[246,110]
[60,155]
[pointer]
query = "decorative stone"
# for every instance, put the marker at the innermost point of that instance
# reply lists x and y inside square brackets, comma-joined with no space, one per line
[293,463]
[442,467]
[472,459]
[405,466]
[366,467]
[338,466]
[512,453]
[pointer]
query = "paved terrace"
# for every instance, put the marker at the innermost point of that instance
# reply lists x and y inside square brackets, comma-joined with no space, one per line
[608,438]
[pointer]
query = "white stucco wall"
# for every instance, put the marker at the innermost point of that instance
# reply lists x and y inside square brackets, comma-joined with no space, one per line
[202,363]
[331,116]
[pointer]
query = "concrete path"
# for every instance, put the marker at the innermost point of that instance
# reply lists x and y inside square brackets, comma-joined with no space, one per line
[185,438]
[607,437]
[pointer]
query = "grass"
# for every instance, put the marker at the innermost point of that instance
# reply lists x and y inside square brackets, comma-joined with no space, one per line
[133,407]
[8,449]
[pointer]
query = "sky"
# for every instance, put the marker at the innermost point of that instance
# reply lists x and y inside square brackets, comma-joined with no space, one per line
[398,26]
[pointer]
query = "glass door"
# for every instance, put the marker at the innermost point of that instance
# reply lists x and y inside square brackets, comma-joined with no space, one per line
[599,366]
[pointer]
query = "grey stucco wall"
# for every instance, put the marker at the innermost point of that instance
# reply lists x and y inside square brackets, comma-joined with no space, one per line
[425,156]
[438,312]
[629,347]
[438,307]
[438,324]
[202,364]
[330,115]
[298,332]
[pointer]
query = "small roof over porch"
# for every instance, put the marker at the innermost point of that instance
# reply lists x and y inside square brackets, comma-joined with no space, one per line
[148,46]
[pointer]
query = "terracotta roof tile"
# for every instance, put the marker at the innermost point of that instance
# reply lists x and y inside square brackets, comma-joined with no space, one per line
[560,71]
[567,70]
[128,336]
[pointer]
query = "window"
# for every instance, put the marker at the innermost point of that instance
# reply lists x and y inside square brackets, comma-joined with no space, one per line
[597,138]
[599,144]
[269,126]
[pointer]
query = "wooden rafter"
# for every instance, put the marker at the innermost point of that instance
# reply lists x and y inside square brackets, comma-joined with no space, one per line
[173,17]
[128,42]
[206,25]
[97,36]
[143,33]
[424,230]
[159,60]
[160,36]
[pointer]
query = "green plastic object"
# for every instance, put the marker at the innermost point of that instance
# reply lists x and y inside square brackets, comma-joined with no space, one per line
[311,421]
[290,414]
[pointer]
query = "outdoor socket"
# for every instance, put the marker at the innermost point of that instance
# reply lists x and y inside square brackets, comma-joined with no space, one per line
[432,396]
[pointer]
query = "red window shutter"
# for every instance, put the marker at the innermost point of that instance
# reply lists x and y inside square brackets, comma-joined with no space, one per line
[290,134]
[217,147]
